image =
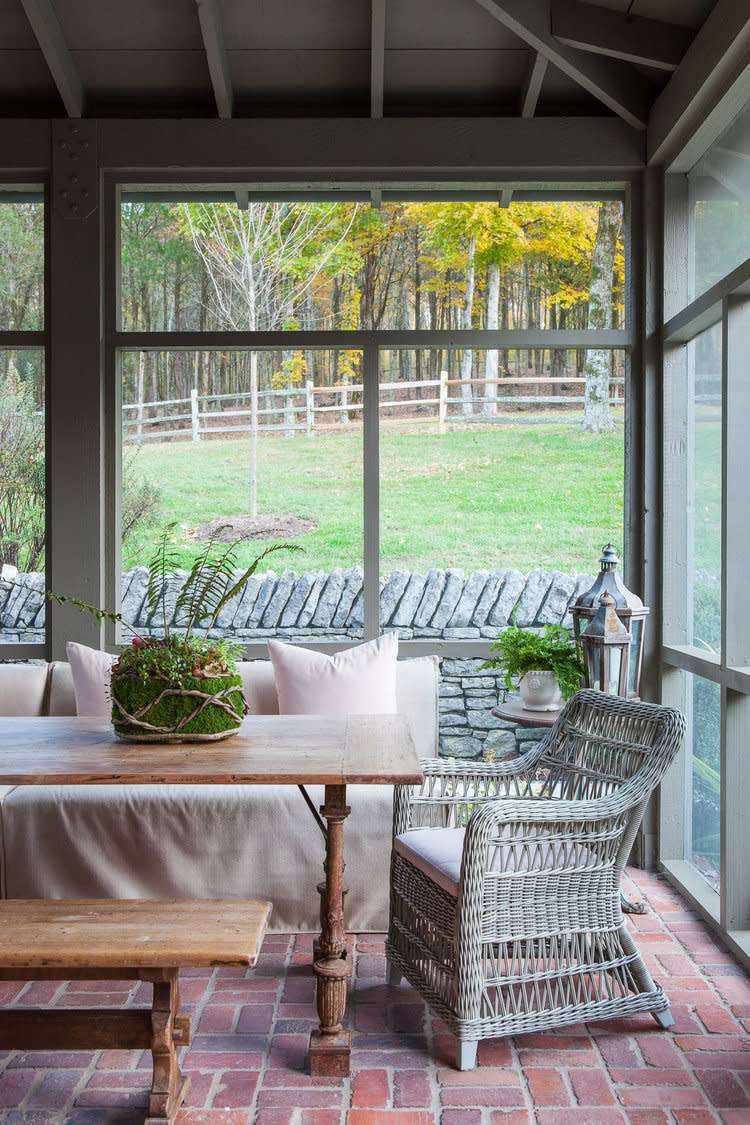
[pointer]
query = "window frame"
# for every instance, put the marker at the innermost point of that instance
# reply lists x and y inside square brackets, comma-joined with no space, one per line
[38,340]
[726,303]
[370,344]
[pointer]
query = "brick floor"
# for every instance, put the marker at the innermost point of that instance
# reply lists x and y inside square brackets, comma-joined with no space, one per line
[247,1062]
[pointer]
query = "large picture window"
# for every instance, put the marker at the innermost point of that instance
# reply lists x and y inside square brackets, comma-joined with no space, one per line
[704,830]
[462,427]
[22,419]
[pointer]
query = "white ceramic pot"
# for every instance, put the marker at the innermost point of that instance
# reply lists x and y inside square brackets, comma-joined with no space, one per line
[539,691]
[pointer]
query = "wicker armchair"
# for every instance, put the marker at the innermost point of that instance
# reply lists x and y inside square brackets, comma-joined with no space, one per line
[505,878]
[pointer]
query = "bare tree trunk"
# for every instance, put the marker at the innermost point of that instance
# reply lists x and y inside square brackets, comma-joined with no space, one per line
[467,359]
[253,465]
[491,360]
[252,322]
[596,414]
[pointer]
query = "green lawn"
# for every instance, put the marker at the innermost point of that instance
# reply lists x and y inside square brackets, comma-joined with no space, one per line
[510,496]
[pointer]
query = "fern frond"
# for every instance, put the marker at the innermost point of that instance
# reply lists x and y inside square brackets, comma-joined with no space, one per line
[164,560]
[235,587]
[206,582]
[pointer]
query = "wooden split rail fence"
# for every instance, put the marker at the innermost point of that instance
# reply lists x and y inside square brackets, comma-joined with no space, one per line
[294,411]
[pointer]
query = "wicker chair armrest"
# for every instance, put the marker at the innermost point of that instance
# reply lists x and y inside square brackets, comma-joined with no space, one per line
[580,833]
[451,789]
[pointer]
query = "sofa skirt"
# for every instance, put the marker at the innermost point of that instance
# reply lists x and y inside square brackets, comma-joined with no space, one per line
[196,841]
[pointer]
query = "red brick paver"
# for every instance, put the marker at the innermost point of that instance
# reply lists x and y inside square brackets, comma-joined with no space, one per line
[247,1063]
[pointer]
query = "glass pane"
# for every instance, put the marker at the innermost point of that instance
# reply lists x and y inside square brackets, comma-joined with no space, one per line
[720,196]
[22,501]
[485,479]
[338,266]
[704,357]
[704,816]
[192,429]
[21,264]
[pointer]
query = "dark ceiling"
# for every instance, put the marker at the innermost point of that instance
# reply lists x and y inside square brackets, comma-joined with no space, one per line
[361,58]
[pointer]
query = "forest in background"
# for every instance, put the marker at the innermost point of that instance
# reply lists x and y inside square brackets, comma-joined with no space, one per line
[314,266]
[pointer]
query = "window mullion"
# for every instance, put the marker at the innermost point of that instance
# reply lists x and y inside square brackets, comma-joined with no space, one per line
[371,490]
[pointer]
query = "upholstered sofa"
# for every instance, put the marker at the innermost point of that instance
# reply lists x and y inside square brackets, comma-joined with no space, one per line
[198,841]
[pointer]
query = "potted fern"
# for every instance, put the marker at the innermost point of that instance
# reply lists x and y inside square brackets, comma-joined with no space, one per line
[183,686]
[549,664]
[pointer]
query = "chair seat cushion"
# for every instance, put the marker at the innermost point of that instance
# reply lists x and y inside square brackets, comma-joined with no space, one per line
[437,852]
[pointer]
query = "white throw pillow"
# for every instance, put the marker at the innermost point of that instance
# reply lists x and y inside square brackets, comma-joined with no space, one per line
[91,669]
[358,681]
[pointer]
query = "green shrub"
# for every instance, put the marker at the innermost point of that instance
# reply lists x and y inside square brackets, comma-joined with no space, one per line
[22,524]
[520,650]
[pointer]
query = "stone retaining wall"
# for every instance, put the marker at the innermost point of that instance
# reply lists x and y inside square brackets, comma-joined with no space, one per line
[441,605]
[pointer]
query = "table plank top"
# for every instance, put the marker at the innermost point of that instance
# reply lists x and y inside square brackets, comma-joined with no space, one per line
[281,749]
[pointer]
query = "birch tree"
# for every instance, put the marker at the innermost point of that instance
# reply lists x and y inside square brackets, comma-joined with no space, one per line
[262,261]
[597,418]
[467,358]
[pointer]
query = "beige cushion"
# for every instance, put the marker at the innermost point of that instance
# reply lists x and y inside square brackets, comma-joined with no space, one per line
[23,689]
[91,672]
[61,700]
[357,681]
[437,852]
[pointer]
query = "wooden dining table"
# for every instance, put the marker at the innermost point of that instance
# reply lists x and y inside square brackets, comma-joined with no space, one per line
[333,751]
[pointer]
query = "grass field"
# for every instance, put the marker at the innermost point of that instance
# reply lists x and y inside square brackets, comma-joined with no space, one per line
[509,496]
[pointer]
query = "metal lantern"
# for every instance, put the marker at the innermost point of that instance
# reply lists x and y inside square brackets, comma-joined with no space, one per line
[606,649]
[629,608]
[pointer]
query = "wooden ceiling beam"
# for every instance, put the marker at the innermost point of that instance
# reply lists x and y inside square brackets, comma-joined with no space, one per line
[257,150]
[377,57]
[532,84]
[216,56]
[630,38]
[46,28]
[610,81]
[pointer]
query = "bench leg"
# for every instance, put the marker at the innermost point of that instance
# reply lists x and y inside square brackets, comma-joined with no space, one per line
[169,1030]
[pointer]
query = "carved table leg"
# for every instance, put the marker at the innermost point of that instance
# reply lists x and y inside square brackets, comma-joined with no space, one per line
[330,1045]
[169,1030]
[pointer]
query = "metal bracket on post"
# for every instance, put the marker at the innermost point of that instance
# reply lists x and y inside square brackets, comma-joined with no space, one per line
[75,190]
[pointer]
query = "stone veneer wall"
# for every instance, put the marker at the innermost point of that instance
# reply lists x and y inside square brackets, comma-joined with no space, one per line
[443,605]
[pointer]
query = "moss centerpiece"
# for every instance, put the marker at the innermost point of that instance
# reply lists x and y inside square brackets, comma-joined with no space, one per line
[172,689]
[181,687]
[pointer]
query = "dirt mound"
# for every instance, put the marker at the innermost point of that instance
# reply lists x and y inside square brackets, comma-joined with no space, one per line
[230,529]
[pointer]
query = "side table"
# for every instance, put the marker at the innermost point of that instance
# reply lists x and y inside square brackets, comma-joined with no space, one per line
[515,712]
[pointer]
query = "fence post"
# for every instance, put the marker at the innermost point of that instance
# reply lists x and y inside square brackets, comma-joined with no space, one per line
[442,401]
[194,413]
[309,407]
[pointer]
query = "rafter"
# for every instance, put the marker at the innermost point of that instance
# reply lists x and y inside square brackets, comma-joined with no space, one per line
[46,28]
[614,83]
[377,57]
[532,85]
[708,89]
[632,38]
[216,56]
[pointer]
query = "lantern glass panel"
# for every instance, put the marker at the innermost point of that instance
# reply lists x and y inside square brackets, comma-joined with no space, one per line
[615,660]
[592,656]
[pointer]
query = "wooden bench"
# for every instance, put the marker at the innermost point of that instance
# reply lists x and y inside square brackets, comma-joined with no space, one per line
[113,939]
